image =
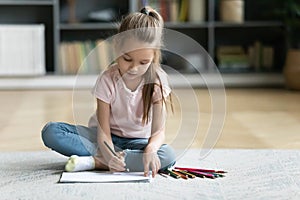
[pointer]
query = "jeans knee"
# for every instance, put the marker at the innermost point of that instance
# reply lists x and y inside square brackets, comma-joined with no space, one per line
[167,156]
[48,133]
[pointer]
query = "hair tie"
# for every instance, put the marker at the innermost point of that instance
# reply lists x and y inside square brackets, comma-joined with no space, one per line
[145,11]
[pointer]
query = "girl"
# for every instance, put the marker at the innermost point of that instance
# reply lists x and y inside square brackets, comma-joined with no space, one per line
[130,116]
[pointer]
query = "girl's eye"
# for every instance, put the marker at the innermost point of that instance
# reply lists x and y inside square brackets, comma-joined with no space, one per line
[144,63]
[127,59]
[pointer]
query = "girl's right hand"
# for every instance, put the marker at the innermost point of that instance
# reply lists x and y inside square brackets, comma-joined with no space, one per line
[117,163]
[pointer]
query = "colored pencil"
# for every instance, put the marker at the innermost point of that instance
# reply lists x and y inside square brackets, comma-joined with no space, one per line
[186,173]
[180,174]
[114,153]
[171,173]
[218,175]
[197,174]
[207,175]
[163,175]
[201,170]
[110,149]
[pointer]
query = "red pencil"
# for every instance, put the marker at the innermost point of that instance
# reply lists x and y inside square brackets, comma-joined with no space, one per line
[201,170]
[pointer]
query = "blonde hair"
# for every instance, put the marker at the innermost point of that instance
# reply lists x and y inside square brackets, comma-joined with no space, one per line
[147,26]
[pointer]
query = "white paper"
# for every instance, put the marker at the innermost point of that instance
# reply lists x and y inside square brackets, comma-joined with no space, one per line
[102,177]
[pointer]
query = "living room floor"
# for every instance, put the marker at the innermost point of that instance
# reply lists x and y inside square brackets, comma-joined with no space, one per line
[254,118]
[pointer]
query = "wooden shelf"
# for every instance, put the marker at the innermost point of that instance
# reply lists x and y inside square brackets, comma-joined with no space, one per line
[191,80]
[27,2]
[87,26]
[184,25]
[219,24]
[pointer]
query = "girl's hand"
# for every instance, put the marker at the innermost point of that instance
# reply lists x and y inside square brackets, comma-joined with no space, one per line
[151,160]
[117,163]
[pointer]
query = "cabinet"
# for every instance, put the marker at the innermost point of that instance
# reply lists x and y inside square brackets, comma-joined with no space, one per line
[211,33]
[33,12]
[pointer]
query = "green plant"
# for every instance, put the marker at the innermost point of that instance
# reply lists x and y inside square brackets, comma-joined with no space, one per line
[291,17]
[290,14]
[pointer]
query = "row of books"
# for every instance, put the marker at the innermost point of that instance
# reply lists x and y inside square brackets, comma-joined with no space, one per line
[91,57]
[84,57]
[177,10]
[256,57]
[22,50]
[261,56]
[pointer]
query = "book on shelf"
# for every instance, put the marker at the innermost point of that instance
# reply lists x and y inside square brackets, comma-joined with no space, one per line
[175,10]
[22,50]
[232,58]
[184,9]
[258,57]
[261,56]
[85,57]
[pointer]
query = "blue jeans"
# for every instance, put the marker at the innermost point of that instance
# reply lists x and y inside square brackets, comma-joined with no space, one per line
[79,140]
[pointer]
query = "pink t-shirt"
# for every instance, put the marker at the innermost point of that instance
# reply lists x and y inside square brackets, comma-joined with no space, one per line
[126,106]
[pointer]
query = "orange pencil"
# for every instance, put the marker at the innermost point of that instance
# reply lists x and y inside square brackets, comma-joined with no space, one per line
[180,174]
[186,173]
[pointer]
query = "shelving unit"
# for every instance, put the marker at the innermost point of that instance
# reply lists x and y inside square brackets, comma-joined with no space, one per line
[33,12]
[210,34]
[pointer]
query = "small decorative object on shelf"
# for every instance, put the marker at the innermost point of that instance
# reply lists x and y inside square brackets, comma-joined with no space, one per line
[72,11]
[292,69]
[232,11]
[197,10]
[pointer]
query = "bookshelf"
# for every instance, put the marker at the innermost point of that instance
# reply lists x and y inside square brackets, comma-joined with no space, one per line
[211,33]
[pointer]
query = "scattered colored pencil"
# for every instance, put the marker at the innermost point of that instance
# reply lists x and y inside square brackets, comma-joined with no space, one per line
[174,175]
[186,173]
[201,170]
[189,175]
[180,174]
[163,175]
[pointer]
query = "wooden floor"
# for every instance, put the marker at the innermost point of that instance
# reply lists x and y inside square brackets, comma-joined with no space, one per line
[255,118]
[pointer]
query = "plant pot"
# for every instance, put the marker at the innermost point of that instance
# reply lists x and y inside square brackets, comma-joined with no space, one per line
[292,69]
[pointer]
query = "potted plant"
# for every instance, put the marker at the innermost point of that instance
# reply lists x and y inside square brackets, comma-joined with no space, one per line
[289,12]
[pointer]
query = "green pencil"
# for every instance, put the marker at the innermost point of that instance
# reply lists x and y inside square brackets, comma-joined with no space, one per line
[173,174]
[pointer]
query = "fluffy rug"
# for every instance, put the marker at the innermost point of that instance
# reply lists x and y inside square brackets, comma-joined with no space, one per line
[252,174]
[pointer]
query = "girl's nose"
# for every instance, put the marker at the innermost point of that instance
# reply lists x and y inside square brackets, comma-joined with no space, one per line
[134,67]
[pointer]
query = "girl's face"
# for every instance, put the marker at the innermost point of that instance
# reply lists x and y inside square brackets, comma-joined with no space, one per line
[134,64]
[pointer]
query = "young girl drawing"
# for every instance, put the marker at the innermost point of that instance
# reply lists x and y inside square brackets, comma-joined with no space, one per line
[130,116]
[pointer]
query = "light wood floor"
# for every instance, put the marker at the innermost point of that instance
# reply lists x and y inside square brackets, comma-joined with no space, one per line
[255,118]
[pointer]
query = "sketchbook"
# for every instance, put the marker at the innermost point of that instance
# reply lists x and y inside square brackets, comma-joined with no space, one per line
[102,177]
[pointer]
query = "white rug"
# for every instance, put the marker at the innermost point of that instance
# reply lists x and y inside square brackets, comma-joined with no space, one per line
[252,174]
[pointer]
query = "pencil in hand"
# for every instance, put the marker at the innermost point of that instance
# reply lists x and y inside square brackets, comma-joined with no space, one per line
[114,153]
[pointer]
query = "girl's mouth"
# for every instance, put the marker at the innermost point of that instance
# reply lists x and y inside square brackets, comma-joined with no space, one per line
[132,72]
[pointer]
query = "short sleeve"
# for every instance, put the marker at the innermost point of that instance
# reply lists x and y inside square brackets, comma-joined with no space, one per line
[166,90]
[103,88]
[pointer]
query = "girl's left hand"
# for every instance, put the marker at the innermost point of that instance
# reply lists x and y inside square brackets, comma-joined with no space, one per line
[151,160]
